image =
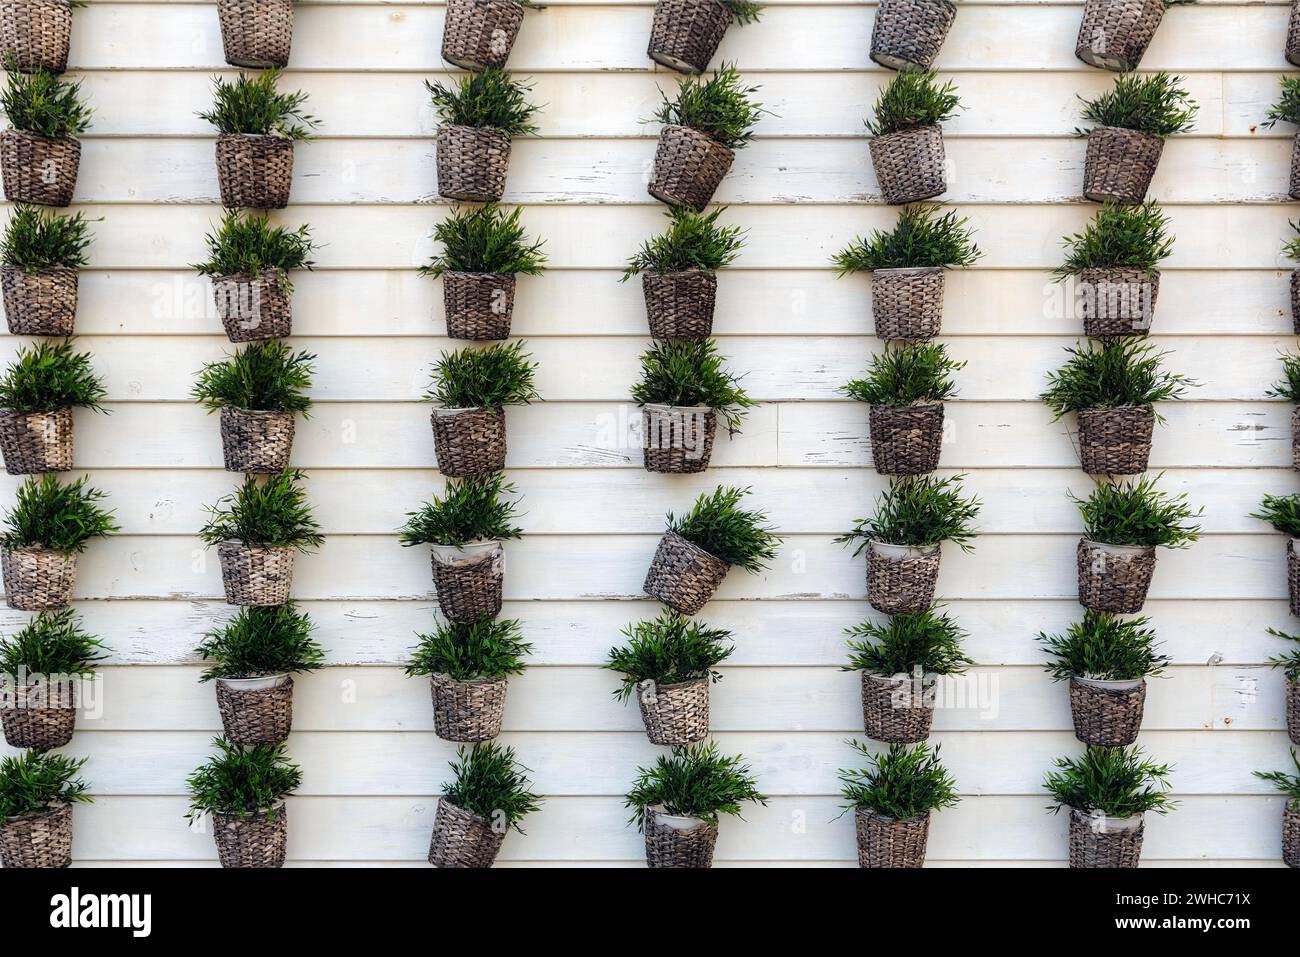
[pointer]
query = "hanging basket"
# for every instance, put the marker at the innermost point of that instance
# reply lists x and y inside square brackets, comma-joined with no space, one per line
[1295,439]
[901,578]
[42,715]
[909,164]
[37,839]
[478,305]
[37,169]
[673,841]
[677,439]
[256,710]
[675,714]
[686,33]
[689,165]
[467,711]
[1115,33]
[1119,164]
[1104,842]
[256,441]
[683,576]
[1107,713]
[905,440]
[35,34]
[907,303]
[472,163]
[253,307]
[1291,836]
[255,575]
[1293,710]
[38,578]
[679,305]
[469,580]
[1115,441]
[469,441]
[888,842]
[40,303]
[1293,35]
[1114,578]
[1295,301]
[478,34]
[890,711]
[1293,576]
[253,841]
[907,34]
[256,33]
[254,170]
[1117,301]
[34,443]
[462,838]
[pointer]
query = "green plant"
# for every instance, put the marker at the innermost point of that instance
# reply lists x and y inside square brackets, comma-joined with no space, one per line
[1111,374]
[921,238]
[691,241]
[465,651]
[265,375]
[274,514]
[1116,782]
[721,107]
[470,510]
[1137,513]
[919,510]
[484,378]
[38,781]
[1289,386]
[903,783]
[259,641]
[1282,512]
[744,11]
[1152,103]
[485,239]
[41,102]
[247,244]
[49,514]
[1105,647]
[717,524]
[925,640]
[254,106]
[242,782]
[905,375]
[1119,235]
[689,372]
[1287,108]
[668,650]
[913,98]
[37,238]
[1290,661]
[1291,248]
[1288,784]
[491,783]
[47,376]
[491,100]
[51,643]
[693,781]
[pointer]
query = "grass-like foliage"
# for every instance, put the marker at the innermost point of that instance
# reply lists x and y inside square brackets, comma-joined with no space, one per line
[247,243]
[744,11]
[919,510]
[485,239]
[903,782]
[1117,782]
[913,98]
[720,107]
[1289,661]
[1119,235]
[45,104]
[487,648]
[921,237]
[905,375]
[49,514]
[1288,784]
[1106,647]
[1291,248]
[1111,374]
[717,524]
[1282,512]
[1154,103]
[47,376]
[492,100]
[1287,108]
[691,241]
[1136,512]
[37,238]
[689,372]
[473,378]
[265,375]
[39,781]
[242,782]
[255,105]
[1288,387]
[273,513]
[928,640]
[256,642]
[694,781]
[668,650]
[51,643]
[491,783]
[469,510]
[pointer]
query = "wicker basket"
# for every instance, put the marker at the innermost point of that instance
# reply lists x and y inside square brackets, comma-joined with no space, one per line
[42,715]
[469,580]
[1295,301]
[1114,33]
[1114,578]
[1115,441]
[37,169]
[686,33]
[254,440]
[1119,164]
[478,305]
[462,838]
[1107,713]
[677,439]
[909,164]
[34,443]
[1293,35]
[254,574]
[689,165]
[672,841]
[256,715]
[254,841]
[38,578]
[890,711]
[901,578]
[472,163]
[908,33]
[683,576]
[467,711]
[1295,443]
[888,842]
[254,171]
[1293,710]
[1291,836]
[256,33]
[469,441]
[253,307]
[1293,576]
[37,839]
[40,303]
[907,304]
[478,34]
[1293,188]
[675,714]
[1104,842]
[1117,301]
[905,440]
[36,34]
[679,305]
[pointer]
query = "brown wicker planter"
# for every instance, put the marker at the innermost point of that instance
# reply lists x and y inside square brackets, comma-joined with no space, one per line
[683,576]
[905,440]
[1103,841]
[467,711]
[254,440]
[42,716]
[677,439]
[1295,438]
[1115,33]
[469,441]
[478,305]
[677,713]
[40,303]
[689,165]
[1107,713]
[37,839]
[253,307]
[254,171]
[1291,836]
[1295,301]
[909,164]
[36,34]
[462,838]
[685,33]
[901,578]
[253,841]
[37,169]
[888,842]
[34,443]
[908,33]
[907,303]
[256,33]
[1293,188]
[1114,577]
[469,580]
[1119,164]
[37,578]
[890,711]
[1115,441]
[472,163]
[679,305]
[1293,576]
[1117,301]
[1293,35]
[1293,710]
[256,715]
[478,34]
[255,575]
[672,841]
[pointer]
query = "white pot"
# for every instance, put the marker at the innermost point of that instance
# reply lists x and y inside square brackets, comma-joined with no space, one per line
[660,409]
[262,683]
[899,552]
[677,822]
[471,553]
[445,413]
[1124,550]
[1101,823]
[1109,684]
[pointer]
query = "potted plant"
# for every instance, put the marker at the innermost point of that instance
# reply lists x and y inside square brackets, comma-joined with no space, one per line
[1114,33]
[907,266]
[1123,524]
[483,250]
[668,661]
[479,116]
[1283,513]
[40,152]
[892,799]
[678,802]
[256,35]
[45,659]
[258,126]
[702,128]
[1289,785]
[257,528]
[679,272]
[698,550]
[45,531]
[905,388]
[242,790]
[249,262]
[478,34]
[1287,109]
[1289,388]
[258,391]
[41,254]
[252,658]
[35,34]
[1113,263]
[1290,665]
[471,388]
[1106,660]
[38,392]
[1112,387]
[907,34]
[1132,121]
[37,791]
[685,33]
[1108,790]
[468,664]
[488,797]
[1291,249]
[906,140]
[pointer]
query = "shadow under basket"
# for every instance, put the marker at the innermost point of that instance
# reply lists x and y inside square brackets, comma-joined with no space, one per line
[678,842]
[256,441]
[680,305]
[38,169]
[1115,441]
[469,441]
[255,575]
[468,579]
[677,439]
[40,715]
[1114,578]
[689,166]
[901,578]
[478,34]
[1104,842]
[256,33]
[890,712]
[256,710]
[1107,713]
[478,305]
[467,711]
[682,575]
[253,307]
[1117,300]
[35,34]
[462,838]
[1119,164]
[1115,34]
[906,440]
[254,171]
[907,304]
[909,164]
[1291,837]
[685,34]
[34,443]
[37,839]
[36,579]
[42,302]
[472,163]
[253,841]
[674,714]
[907,34]
[888,842]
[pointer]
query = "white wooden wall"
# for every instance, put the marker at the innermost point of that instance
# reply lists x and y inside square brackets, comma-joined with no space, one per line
[363,732]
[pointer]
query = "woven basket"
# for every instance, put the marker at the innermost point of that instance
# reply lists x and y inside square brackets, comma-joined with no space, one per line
[252,841]
[1293,710]
[1295,443]
[890,712]
[888,842]
[34,443]
[472,163]
[905,440]
[256,33]
[675,714]
[37,578]
[1114,578]
[469,441]
[37,839]
[689,165]
[254,171]
[1293,188]
[1115,441]
[254,574]
[907,303]
[255,716]
[677,439]
[1105,715]
[36,34]
[1101,843]
[683,576]
[679,305]
[478,34]
[467,711]
[462,838]
[478,305]
[253,307]
[1295,301]
[1293,35]
[901,578]
[1293,576]
[40,303]
[1119,164]
[686,33]
[42,715]
[37,169]
[1117,301]
[1291,836]
[909,164]
[254,440]
[1114,33]
[469,580]
[908,33]
[683,846]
